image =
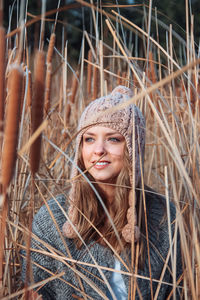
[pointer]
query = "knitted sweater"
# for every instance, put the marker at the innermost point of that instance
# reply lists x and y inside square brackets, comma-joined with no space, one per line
[50,257]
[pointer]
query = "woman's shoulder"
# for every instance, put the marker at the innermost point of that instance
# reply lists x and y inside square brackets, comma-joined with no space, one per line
[161,216]
[157,206]
[51,214]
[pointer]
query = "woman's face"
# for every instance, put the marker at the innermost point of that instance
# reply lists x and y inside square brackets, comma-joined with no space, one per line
[101,141]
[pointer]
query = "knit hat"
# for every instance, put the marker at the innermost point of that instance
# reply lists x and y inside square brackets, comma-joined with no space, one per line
[126,120]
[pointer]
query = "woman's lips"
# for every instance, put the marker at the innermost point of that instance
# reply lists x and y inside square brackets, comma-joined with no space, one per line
[101,164]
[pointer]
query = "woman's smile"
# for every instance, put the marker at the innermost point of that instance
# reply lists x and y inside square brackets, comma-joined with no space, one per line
[103,153]
[101,165]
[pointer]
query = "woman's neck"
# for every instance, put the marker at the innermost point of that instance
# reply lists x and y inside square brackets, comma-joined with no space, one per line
[108,190]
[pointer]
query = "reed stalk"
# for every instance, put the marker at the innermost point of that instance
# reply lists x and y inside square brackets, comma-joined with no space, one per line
[172,134]
[3,217]
[193,92]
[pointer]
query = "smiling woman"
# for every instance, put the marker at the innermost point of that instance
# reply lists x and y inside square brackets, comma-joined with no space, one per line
[103,152]
[108,216]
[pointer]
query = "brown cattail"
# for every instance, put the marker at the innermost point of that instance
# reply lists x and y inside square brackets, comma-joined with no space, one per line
[95,82]
[89,73]
[23,93]
[15,79]
[177,91]
[119,80]
[37,108]
[124,76]
[1,13]
[193,92]
[51,48]
[2,75]
[49,73]
[74,87]
[29,90]
[183,93]
[47,89]
[67,114]
[152,74]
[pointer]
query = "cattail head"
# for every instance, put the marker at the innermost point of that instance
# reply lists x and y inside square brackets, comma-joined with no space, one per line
[67,114]
[119,80]
[193,92]
[95,82]
[2,75]
[89,72]
[15,79]
[29,90]
[51,47]
[37,108]
[74,86]
[124,76]
[152,74]
[48,73]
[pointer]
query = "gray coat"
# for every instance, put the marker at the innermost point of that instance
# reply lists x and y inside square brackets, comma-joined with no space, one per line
[46,265]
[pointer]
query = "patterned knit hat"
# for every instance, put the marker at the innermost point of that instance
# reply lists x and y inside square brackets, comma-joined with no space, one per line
[127,120]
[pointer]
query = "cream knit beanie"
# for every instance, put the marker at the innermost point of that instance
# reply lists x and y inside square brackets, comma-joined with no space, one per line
[126,120]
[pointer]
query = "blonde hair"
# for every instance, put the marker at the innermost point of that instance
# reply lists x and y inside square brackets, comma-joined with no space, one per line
[90,208]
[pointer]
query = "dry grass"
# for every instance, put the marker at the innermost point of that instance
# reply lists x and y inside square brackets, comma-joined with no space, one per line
[166,90]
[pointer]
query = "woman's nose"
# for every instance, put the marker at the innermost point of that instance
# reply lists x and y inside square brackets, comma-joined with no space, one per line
[99,148]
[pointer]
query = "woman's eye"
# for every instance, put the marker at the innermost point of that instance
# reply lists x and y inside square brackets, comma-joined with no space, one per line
[88,139]
[114,139]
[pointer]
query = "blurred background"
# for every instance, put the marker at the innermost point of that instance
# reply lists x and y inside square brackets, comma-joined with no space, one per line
[76,18]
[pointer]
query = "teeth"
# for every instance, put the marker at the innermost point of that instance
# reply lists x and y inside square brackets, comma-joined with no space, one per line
[101,163]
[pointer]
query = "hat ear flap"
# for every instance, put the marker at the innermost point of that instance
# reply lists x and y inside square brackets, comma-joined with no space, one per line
[131,231]
[67,228]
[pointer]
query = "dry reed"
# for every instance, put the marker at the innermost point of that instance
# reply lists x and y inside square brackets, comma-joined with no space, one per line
[37,108]
[172,136]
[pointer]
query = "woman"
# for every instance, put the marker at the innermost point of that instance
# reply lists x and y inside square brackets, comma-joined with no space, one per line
[113,243]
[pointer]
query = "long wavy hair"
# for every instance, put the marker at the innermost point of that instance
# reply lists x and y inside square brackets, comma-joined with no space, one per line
[91,211]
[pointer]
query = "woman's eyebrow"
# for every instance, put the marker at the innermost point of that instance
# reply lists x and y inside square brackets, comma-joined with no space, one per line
[114,133]
[107,134]
[89,133]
